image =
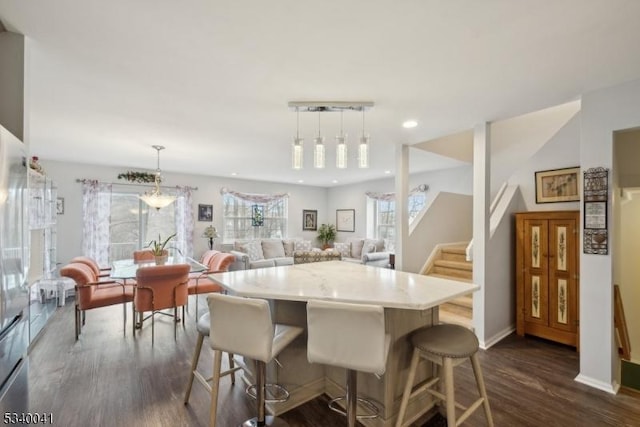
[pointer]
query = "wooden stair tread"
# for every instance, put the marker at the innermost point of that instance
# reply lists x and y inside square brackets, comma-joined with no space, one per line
[448,317]
[444,276]
[460,265]
[455,250]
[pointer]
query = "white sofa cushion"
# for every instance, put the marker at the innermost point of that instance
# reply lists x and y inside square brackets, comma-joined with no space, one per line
[356,247]
[253,249]
[343,248]
[272,248]
[289,247]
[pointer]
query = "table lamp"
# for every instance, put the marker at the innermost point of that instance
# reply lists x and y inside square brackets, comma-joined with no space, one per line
[210,233]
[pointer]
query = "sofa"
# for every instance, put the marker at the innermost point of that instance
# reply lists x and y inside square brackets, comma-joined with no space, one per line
[263,253]
[364,251]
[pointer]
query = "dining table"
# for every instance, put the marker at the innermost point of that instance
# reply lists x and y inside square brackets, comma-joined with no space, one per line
[410,302]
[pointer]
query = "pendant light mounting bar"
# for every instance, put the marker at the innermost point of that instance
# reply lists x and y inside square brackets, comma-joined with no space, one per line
[330,106]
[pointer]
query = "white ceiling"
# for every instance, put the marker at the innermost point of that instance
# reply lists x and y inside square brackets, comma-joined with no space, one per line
[211,79]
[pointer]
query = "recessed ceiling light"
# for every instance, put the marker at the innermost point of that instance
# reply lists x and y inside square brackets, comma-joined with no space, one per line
[387,172]
[335,181]
[409,124]
[234,173]
[300,181]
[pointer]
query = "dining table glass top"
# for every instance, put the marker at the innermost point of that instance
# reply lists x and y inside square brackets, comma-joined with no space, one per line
[126,268]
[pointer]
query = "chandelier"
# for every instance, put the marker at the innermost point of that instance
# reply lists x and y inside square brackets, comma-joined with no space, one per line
[155,198]
[319,159]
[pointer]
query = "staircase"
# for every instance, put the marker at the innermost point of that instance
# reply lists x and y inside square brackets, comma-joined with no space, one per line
[451,264]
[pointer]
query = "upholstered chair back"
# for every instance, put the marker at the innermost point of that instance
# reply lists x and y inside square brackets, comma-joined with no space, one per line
[88,261]
[206,257]
[143,255]
[82,274]
[220,262]
[162,286]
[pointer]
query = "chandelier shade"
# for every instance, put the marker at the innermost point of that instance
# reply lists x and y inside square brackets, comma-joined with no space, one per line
[155,198]
[319,148]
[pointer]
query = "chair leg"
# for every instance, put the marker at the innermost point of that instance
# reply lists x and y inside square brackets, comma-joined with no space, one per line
[124,318]
[77,322]
[194,365]
[477,371]
[84,317]
[352,397]
[415,359]
[447,367]
[133,319]
[153,323]
[232,364]
[215,386]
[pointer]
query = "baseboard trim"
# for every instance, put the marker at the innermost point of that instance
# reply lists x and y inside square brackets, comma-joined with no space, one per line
[600,385]
[486,344]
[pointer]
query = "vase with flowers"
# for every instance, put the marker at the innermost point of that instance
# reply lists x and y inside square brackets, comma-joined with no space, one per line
[159,249]
[326,234]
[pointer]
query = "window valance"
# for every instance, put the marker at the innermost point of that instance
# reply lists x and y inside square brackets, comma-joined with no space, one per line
[255,198]
[422,188]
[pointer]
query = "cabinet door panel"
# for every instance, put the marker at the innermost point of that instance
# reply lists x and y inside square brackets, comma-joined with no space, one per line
[562,275]
[535,275]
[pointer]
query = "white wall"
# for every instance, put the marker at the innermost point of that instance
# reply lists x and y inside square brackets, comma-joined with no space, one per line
[562,151]
[603,112]
[455,180]
[70,224]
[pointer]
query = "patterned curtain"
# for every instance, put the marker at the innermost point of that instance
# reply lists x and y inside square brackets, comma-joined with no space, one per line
[255,198]
[96,220]
[184,220]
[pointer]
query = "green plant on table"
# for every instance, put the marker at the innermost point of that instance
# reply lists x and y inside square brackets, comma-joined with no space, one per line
[158,246]
[326,233]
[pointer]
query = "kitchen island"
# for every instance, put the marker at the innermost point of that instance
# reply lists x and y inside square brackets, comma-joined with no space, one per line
[410,302]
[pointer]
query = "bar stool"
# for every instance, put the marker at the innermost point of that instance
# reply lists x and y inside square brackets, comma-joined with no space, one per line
[203,326]
[243,326]
[447,346]
[350,336]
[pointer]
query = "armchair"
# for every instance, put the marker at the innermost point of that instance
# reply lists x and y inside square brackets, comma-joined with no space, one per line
[201,284]
[90,293]
[158,288]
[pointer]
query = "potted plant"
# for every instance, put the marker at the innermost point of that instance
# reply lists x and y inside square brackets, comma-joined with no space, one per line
[326,234]
[158,248]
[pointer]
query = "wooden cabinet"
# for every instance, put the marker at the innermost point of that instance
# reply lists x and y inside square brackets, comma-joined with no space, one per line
[547,284]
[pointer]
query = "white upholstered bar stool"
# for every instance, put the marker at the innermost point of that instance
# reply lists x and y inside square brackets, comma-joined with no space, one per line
[203,326]
[447,346]
[350,336]
[243,326]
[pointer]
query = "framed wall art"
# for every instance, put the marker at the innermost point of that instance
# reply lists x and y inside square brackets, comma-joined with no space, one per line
[558,185]
[346,220]
[309,220]
[60,206]
[205,212]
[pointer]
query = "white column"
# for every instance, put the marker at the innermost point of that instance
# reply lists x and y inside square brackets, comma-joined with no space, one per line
[481,202]
[402,201]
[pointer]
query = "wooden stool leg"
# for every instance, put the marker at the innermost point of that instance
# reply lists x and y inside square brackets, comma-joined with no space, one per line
[477,371]
[447,367]
[408,386]
[215,386]
[194,365]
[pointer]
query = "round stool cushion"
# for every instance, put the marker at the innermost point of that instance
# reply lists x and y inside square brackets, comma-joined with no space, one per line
[204,325]
[452,341]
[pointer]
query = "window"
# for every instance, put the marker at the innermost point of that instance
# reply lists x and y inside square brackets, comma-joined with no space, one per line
[133,225]
[384,214]
[238,218]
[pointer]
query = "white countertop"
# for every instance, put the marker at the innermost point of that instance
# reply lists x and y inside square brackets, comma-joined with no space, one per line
[343,281]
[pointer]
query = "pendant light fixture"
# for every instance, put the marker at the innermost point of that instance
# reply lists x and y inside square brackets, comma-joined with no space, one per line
[363,148]
[155,198]
[297,155]
[318,149]
[341,147]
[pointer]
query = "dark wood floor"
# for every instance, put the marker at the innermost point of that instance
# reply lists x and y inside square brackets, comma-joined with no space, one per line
[107,379]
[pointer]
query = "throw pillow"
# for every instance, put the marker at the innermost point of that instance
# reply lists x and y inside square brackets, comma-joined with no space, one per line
[377,243]
[302,245]
[343,248]
[272,248]
[356,247]
[253,249]
[288,246]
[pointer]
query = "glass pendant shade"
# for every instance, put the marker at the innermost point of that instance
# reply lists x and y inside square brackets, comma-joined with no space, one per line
[155,198]
[363,152]
[341,152]
[297,158]
[318,153]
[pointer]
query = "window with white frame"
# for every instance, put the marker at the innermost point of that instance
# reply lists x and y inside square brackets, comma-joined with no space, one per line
[384,212]
[240,221]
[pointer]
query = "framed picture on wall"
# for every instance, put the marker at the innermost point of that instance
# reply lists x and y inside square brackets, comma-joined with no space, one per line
[309,220]
[205,213]
[558,185]
[60,205]
[345,219]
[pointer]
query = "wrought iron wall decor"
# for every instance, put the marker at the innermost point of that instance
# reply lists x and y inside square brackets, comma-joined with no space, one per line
[257,215]
[596,194]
